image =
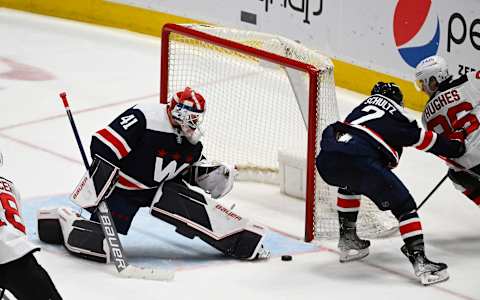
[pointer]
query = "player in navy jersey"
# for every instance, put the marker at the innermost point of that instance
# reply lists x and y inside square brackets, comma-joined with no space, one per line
[454,104]
[158,150]
[357,156]
[20,273]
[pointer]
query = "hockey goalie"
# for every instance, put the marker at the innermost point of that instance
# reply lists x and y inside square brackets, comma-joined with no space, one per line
[151,156]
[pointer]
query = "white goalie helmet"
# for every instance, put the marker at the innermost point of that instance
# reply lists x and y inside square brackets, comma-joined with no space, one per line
[187,109]
[429,68]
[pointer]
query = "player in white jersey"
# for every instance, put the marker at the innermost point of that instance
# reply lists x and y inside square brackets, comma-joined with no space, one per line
[454,104]
[20,273]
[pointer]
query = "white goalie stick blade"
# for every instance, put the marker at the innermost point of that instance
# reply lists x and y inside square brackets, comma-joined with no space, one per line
[146,273]
[353,254]
[429,278]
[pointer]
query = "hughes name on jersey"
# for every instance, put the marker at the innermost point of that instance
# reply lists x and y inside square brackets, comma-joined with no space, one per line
[146,147]
[379,127]
[13,240]
[456,105]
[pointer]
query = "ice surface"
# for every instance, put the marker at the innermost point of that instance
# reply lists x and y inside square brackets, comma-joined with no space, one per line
[104,71]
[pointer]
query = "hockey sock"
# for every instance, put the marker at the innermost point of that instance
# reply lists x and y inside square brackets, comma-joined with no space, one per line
[348,204]
[411,230]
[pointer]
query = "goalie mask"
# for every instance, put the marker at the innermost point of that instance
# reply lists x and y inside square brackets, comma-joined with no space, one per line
[187,109]
[428,70]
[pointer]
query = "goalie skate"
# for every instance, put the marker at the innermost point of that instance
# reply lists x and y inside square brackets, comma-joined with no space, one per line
[262,253]
[427,271]
[351,246]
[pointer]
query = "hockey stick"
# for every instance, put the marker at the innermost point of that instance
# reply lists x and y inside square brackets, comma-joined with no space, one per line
[458,166]
[432,191]
[108,226]
[462,168]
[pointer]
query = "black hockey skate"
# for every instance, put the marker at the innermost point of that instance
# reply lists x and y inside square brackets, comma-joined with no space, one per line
[350,245]
[427,271]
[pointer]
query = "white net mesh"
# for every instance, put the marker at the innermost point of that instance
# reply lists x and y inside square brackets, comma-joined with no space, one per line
[252,111]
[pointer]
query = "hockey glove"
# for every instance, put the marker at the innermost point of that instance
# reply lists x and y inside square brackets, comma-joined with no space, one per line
[458,135]
[97,183]
[219,181]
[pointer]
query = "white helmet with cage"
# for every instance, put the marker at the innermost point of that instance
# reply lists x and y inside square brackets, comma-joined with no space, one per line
[187,109]
[432,67]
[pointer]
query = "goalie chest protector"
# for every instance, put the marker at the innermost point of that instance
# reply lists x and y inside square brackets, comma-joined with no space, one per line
[145,146]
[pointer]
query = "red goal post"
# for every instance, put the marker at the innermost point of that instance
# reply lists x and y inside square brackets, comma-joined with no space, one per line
[242,75]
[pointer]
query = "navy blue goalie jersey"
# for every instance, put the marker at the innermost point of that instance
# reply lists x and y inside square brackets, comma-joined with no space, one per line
[146,147]
[379,127]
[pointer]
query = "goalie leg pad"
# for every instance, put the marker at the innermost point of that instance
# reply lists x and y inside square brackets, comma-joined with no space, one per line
[244,245]
[182,207]
[194,215]
[49,230]
[80,237]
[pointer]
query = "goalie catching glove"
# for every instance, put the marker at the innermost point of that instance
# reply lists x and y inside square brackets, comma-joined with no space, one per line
[215,179]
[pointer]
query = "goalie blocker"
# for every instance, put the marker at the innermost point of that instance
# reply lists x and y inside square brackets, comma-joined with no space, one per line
[175,203]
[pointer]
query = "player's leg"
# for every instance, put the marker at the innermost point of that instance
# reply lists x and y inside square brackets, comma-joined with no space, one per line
[467,184]
[350,245]
[389,193]
[371,178]
[194,215]
[27,280]
[83,237]
[338,169]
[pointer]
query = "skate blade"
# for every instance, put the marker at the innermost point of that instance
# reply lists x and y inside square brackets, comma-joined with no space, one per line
[352,255]
[432,278]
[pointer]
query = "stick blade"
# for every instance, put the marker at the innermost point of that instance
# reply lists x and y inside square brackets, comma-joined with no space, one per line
[147,273]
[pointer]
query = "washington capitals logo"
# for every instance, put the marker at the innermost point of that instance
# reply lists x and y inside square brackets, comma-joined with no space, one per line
[416,30]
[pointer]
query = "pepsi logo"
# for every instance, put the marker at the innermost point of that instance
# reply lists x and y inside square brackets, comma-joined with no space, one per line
[416,30]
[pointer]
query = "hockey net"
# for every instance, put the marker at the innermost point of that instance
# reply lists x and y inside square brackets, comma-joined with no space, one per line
[262,92]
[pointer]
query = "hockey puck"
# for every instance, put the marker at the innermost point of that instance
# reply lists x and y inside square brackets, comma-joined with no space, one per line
[286,257]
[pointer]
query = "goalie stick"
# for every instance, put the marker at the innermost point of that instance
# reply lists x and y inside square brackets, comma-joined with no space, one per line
[108,226]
